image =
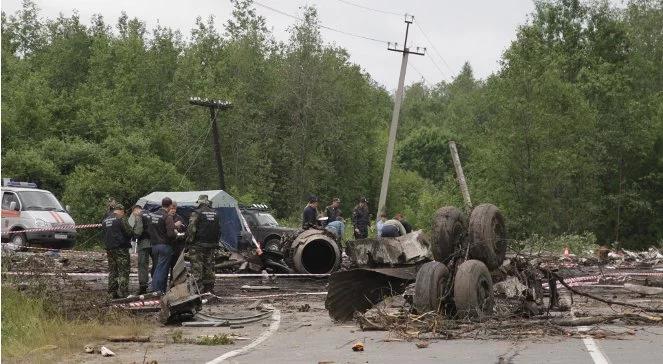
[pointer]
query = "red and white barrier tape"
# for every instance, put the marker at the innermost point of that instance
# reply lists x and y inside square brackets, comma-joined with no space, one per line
[54,228]
[218,275]
[147,303]
[589,280]
[279,295]
[61,251]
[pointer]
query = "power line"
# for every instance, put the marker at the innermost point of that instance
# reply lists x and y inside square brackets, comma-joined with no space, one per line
[322,25]
[444,75]
[434,48]
[417,71]
[371,9]
[184,155]
[195,157]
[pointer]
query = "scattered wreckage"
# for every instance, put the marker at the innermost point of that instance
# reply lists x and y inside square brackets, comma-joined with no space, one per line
[402,285]
[450,270]
[459,282]
[183,303]
[312,251]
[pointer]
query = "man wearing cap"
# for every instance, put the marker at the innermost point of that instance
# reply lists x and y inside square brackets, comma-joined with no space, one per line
[139,223]
[310,215]
[162,236]
[333,211]
[117,237]
[203,239]
[361,219]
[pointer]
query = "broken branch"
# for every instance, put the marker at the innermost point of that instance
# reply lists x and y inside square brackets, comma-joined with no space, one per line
[597,298]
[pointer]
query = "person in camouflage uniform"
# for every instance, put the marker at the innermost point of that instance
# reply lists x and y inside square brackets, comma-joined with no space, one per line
[361,219]
[117,237]
[203,239]
[139,223]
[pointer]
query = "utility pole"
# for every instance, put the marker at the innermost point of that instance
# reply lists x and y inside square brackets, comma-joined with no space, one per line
[397,109]
[460,176]
[214,107]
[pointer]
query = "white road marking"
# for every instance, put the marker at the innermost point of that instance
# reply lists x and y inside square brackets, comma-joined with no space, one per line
[592,347]
[276,321]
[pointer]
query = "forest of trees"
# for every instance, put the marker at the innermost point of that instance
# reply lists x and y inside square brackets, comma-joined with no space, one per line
[566,137]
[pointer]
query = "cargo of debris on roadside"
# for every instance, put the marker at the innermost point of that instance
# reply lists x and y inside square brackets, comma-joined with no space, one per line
[524,305]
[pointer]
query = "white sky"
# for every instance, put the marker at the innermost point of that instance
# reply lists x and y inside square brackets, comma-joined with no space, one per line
[477,31]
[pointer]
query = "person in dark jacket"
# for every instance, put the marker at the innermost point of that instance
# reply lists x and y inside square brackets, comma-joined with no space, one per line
[203,238]
[333,211]
[117,240]
[139,223]
[162,236]
[180,228]
[361,219]
[310,215]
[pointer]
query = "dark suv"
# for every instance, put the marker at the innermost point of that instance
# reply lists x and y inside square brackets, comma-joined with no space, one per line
[264,226]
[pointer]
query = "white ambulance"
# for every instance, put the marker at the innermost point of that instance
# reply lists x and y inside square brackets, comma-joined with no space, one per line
[31,216]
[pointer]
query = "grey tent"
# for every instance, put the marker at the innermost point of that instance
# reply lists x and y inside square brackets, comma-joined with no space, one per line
[226,205]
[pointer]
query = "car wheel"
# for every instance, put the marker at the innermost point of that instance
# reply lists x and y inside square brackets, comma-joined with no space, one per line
[17,242]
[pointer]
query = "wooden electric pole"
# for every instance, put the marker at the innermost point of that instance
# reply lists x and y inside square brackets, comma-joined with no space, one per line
[214,107]
[397,109]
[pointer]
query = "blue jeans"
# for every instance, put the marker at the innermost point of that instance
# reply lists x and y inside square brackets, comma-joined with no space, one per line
[162,254]
[336,227]
[390,231]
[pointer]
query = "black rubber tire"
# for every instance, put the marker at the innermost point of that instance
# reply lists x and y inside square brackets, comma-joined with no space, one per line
[473,290]
[449,231]
[18,242]
[429,286]
[487,234]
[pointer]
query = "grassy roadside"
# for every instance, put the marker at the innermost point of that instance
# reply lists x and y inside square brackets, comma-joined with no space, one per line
[32,331]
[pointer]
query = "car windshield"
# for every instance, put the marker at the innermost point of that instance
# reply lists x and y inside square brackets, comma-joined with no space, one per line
[266,219]
[39,201]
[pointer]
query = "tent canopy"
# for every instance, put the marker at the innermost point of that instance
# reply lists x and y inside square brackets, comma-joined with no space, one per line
[226,205]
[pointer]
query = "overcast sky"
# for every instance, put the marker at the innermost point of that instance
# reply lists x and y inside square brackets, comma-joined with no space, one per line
[477,31]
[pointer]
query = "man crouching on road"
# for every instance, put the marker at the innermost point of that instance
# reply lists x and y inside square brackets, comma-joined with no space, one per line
[203,239]
[117,237]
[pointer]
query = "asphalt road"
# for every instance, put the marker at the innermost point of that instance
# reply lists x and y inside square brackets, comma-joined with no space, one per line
[311,337]
[325,341]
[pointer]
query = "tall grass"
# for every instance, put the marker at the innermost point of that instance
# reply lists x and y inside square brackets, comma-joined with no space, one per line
[30,324]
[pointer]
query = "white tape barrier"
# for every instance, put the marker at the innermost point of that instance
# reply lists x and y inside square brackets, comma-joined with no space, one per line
[590,280]
[54,228]
[219,275]
[279,295]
